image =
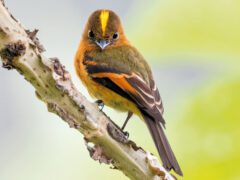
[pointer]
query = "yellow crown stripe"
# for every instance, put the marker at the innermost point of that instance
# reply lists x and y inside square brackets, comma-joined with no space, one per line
[104,20]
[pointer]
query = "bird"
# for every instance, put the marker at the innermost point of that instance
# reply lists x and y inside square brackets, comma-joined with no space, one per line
[116,74]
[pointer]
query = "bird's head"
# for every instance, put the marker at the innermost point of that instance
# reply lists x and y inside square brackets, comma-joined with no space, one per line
[104,30]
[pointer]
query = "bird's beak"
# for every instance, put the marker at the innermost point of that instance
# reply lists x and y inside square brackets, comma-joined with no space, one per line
[102,43]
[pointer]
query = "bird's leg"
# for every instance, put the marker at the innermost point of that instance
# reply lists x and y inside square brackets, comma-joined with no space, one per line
[125,123]
[127,119]
[100,104]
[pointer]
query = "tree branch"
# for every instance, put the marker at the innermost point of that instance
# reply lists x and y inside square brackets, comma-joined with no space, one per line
[21,50]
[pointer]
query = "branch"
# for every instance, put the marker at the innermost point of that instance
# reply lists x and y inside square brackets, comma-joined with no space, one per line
[21,50]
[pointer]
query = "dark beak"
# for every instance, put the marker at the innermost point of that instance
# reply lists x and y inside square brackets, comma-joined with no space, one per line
[102,43]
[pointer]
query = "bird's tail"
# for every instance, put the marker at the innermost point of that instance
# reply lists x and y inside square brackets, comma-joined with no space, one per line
[166,154]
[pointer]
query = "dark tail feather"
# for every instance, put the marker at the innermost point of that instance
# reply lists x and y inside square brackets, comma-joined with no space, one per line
[166,154]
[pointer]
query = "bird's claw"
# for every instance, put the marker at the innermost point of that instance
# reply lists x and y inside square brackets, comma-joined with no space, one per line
[100,104]
[126,134]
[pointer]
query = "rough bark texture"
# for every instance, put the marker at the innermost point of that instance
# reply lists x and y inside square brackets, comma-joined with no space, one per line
[20,49]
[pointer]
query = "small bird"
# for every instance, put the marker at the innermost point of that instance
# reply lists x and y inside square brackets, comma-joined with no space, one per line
[115,73]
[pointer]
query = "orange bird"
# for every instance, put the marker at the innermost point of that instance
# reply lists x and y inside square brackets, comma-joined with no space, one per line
[115,73]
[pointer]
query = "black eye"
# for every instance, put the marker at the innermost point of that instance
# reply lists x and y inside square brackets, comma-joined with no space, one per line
[115,36]
[91,34]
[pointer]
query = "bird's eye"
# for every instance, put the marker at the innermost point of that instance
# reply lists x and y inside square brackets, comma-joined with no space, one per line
[115,36]
[91,34]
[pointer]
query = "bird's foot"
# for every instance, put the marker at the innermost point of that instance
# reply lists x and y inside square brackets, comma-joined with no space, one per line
[116,133]
[126,134]
[100,104]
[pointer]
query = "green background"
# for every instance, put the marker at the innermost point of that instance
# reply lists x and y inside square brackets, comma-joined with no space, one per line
[194,49]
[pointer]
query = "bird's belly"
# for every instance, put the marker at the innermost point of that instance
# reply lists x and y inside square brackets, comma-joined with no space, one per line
[110,98]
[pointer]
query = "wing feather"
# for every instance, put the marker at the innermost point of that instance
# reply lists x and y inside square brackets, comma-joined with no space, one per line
[129,85]
[145,95]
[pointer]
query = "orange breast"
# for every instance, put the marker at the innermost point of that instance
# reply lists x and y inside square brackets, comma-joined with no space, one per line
[96,90]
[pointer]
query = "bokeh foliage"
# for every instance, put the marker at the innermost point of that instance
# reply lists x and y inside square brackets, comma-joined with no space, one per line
[202,113]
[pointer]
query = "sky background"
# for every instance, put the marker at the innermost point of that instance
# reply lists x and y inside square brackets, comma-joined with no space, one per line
[193,47]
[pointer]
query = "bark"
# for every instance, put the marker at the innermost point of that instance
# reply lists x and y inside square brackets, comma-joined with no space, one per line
[20,49]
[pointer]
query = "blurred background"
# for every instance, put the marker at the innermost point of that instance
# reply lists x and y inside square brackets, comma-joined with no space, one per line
[193,47]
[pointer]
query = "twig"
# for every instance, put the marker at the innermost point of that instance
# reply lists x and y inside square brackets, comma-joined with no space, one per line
[20,49]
